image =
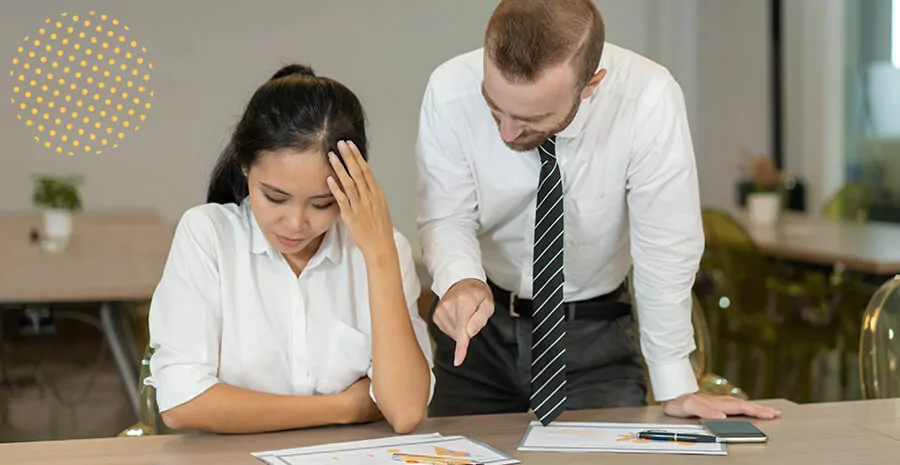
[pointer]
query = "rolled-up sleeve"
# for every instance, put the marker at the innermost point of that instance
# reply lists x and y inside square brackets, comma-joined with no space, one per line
[666,238]
[185,316]
[447,200]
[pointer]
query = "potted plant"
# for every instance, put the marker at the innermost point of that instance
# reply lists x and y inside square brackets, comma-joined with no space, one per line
[57,197]
[764,202]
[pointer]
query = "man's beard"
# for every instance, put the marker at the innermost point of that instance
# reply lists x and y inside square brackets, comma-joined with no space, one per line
[533,139]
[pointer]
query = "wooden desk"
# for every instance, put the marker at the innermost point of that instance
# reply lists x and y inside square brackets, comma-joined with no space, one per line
[866,247]
[112,256]
[801,437]
[881,416]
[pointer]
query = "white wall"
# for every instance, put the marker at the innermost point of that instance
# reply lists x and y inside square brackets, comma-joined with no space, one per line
[633,24]
[720,54]
[733,93]
[210,55]
[719,51]
[814,79]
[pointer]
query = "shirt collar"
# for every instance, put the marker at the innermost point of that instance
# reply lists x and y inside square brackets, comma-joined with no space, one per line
[330,249]
[258,239]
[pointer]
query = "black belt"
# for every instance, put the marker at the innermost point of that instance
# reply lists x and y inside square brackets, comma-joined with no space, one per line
[610,306]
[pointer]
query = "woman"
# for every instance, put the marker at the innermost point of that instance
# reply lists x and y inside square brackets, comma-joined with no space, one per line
[289,300]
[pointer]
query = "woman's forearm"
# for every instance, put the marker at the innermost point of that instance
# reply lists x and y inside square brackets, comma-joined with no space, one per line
[228,409]
[400,379]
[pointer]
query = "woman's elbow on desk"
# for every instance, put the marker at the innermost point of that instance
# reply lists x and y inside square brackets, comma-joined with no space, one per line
[195,414]
[403,411]
[407,420]
[174,419]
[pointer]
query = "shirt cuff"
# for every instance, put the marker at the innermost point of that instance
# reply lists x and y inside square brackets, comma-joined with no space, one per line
[179,384]
[673,379]
[455,273]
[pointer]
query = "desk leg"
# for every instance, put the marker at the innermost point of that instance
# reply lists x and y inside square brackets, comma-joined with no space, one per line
[125,364]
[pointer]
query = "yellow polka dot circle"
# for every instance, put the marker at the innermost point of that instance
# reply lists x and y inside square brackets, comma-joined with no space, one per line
[81,84]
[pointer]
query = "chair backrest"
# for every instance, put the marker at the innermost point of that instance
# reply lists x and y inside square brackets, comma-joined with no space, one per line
[149,409]
[149,421]
[734,263]
[879,343]
[850,203]
[701,358]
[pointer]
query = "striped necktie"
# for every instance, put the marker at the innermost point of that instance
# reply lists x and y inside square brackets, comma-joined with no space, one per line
[548,366]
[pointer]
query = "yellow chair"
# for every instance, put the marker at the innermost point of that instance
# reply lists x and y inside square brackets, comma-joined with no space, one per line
[147,424]
[760,312]
[702,357]
[150,422]
[701,360]
[740,302]
[879,345]
[850,203]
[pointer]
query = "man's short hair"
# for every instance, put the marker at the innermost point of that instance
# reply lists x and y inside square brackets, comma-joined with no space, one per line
[526,37]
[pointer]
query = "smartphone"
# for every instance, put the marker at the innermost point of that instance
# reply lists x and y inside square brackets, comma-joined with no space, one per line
[735,431]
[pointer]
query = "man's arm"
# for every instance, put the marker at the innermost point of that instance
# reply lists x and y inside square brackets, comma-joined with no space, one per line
[666,244]
[447,220]
[447,201]
[666,237]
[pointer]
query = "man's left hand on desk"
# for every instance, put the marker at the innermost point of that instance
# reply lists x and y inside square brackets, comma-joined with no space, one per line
[715,407]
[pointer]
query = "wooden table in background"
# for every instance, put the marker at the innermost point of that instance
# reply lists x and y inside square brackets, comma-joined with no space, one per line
[800,437]
[112,257]
[872,247]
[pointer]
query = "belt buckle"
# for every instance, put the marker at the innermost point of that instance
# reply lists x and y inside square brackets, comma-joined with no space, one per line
[512,305]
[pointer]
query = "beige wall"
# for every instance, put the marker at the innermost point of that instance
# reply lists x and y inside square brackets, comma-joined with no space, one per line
[734,91]
[210,55]
[814,86]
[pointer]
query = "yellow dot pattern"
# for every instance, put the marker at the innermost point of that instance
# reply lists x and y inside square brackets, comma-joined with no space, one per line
[64,83]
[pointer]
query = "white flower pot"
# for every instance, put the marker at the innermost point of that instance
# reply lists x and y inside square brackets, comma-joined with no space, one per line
[57,230]
[764,208]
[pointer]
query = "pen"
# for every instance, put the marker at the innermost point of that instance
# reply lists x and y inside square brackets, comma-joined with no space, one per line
[432,460]
[679,437]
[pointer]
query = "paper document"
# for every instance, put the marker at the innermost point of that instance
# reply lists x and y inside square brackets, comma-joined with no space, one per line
[381,451]
[612,437]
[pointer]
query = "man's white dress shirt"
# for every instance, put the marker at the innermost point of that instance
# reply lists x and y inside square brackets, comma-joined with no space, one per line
[630,189]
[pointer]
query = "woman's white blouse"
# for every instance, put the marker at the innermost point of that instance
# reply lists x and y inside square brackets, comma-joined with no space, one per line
[230,309]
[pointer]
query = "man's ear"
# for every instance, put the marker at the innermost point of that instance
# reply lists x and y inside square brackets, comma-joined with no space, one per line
[593,83]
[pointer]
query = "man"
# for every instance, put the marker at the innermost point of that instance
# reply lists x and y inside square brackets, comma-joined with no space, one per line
[546,163]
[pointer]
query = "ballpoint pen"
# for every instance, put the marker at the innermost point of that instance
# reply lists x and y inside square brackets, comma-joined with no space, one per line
[433,460]
[678,437]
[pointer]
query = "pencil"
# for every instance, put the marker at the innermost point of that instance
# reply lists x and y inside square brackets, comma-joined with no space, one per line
[432,460]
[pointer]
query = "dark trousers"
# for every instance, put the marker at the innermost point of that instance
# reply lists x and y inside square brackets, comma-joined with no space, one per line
[603,366]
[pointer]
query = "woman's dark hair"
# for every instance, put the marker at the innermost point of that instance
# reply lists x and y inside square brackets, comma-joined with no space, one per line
[294,110]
